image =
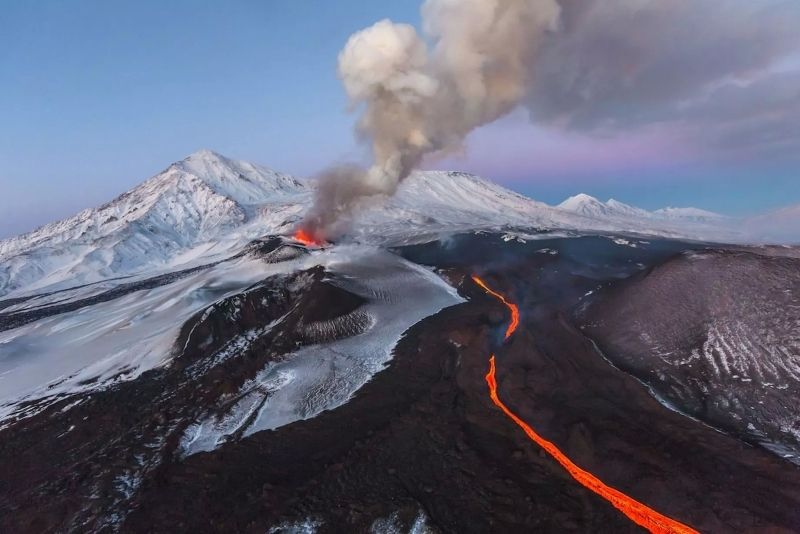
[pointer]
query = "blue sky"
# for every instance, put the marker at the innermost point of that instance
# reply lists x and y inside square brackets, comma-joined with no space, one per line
[96,96]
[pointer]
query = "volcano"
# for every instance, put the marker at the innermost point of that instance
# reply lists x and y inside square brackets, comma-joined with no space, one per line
[461,359]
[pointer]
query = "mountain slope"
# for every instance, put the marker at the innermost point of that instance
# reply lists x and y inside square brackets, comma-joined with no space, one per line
[781,225]
[592,207]
[207,207]
[433,203]
[199,199]
[688,214]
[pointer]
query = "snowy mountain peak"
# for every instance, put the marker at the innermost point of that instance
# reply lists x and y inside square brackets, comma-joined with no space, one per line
[196,200]
[587,205]
[578,200]
[207,206]
[241,181]
[688,214]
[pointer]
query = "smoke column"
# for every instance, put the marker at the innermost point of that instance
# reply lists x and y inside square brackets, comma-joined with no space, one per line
[417,100]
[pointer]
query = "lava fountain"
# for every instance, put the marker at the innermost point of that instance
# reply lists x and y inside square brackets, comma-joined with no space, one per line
[306,238]
[636,511]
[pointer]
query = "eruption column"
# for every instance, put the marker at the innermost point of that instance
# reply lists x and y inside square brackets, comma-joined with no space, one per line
[636,511]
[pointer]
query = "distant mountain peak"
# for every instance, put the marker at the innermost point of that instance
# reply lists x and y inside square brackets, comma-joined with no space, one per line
[205,153]
[590,206]
[693,214]
[579,198]
[207,205]
[240,181]
[200,199]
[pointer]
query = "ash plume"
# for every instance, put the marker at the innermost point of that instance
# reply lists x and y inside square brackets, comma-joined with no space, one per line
[720,77]
[417,100]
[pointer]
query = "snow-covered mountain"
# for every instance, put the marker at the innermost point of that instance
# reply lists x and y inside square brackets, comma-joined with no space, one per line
[204,207]
[688,214]
[781,225]
[198,200]
[592,207]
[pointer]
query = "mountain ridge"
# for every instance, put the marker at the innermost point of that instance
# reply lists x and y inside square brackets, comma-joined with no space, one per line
[207,206]
[589,205]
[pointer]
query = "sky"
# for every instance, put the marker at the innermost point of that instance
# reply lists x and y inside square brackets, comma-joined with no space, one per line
[692,104]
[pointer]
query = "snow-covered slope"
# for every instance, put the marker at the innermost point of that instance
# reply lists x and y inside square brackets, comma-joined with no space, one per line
[198,200]
[782,226]
[451,199]
[688,214]
[626,209]
[207,206]
[592,207]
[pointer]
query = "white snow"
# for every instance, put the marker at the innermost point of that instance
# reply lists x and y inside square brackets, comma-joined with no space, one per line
[592,207]
[321,377]
[392,525]
[307,526]
[187,213]
[207,206]
[111,341]
[205,209]
[688,214]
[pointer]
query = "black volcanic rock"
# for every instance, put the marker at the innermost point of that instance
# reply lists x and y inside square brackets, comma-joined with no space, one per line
[716,334]
[420,442]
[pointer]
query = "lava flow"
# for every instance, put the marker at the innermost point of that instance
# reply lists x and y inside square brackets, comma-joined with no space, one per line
[636,511]
[513,307]
[306,238]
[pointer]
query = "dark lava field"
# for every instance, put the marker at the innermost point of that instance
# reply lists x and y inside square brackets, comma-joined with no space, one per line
[668,370]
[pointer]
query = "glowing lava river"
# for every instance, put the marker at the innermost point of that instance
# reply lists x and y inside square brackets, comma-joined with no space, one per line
[636,511]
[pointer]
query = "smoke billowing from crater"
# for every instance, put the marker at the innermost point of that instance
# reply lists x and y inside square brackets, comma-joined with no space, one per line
[417,100]
[721,76]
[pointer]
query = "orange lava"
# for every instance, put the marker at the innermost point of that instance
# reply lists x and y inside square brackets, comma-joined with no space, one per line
[512,327]
[636,511]
[305,237]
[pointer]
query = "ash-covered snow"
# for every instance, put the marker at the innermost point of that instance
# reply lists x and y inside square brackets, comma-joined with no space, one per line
[689,214]
[321,377]
[715,334]
[307,526]
[394,525]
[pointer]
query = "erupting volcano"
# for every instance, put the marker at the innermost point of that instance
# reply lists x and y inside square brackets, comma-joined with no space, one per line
[636,511]
[306,238]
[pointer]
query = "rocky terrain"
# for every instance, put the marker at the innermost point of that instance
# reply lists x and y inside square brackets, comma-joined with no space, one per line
[715,334]
[419,445]
[174,361]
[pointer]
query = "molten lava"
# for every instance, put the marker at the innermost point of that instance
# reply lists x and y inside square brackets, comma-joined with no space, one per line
[512,327]
[637,512]
[305,237]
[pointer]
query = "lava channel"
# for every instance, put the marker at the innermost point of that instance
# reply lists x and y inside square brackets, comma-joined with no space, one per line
[512,326]
[639,513]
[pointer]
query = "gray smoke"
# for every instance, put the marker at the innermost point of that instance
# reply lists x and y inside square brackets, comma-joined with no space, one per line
[417,100]
[722,73]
